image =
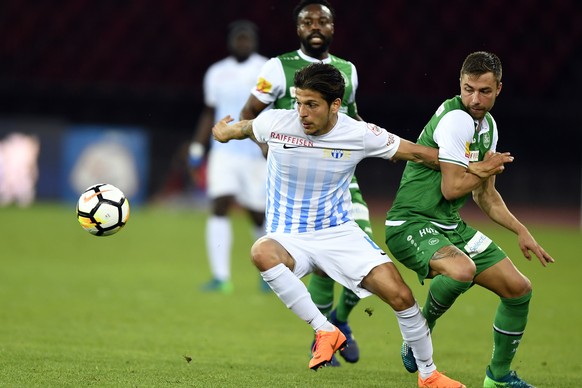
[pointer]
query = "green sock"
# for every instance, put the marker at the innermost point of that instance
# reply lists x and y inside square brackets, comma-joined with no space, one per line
[321,290]
[442,293]
[347,301]
[508,328]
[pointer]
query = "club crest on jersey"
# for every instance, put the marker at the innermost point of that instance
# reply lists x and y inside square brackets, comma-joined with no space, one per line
[486,139]
[336,154]
[263,86]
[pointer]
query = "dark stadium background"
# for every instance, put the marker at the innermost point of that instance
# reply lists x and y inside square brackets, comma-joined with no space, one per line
[141,63]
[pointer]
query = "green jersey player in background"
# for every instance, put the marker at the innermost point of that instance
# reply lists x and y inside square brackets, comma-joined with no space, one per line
[425,232]
[315,27]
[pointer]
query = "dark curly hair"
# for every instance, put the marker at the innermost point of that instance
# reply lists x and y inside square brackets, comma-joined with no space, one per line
[304,3]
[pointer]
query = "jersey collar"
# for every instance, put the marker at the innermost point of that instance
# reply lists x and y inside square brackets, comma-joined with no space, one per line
[311,59]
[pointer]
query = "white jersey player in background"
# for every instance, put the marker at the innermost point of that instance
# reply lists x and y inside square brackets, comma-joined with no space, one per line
[235,171]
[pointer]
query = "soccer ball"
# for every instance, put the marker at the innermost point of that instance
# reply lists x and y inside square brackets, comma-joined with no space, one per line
[102,209]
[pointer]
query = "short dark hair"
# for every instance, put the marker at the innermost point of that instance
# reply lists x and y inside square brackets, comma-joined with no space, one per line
[481,62]
[242,26]
[304,3]
[323,78]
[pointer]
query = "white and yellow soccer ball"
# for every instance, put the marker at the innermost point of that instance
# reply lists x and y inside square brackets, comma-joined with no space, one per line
[102,209]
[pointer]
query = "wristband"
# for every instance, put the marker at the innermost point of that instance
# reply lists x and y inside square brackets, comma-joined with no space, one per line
[195,154]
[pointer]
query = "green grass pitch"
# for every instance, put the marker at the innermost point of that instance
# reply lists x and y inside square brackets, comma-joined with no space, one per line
[125,310]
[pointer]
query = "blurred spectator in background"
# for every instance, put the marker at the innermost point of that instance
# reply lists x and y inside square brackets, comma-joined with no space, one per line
[18,169]
[236,170]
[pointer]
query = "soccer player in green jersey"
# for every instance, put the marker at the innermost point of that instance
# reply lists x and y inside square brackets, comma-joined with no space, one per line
[315,27]
[425,232]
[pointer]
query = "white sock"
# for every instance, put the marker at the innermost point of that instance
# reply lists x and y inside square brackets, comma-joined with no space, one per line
[416,333]
[293,293]
[218,245]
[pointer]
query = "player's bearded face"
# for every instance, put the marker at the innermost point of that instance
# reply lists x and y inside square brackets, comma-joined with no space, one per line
[315,44]
[315,30]
[478,93]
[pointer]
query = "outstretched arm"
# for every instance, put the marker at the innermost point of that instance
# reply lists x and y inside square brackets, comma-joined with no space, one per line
[490,201]
[252,108]
[413,152]
[223,132]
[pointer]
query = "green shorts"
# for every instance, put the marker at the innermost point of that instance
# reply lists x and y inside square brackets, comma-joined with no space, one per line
[414,243]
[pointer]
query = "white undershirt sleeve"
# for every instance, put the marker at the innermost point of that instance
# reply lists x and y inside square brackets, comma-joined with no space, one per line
[270,84]
[454,134]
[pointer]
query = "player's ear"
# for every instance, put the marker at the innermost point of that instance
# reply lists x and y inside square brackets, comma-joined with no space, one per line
[499,89]
[336,105]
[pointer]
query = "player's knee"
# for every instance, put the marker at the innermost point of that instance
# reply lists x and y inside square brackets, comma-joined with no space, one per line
[402,300]
[222,205]
[454,263]
[465,272]
[385,282]
[264,254]
[259,254]
[520,286]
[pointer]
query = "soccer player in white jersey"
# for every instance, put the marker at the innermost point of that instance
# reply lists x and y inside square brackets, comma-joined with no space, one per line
[235,171]
[315,27]
[313,152]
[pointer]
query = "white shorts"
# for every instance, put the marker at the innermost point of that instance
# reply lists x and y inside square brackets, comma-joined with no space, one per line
[242,176]
[345,253]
